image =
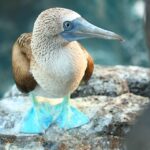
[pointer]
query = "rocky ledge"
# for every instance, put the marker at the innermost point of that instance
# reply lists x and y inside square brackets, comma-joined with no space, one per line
[113,98]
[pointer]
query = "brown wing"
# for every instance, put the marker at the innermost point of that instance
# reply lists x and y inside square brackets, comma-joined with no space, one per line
[21,55]
[90,65]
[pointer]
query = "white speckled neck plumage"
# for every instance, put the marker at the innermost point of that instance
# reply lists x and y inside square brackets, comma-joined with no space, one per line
[57,65]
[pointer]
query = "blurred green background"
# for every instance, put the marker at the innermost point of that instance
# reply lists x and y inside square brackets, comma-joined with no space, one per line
[125,17]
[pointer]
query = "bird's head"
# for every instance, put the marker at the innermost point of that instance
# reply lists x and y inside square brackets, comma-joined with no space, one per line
[67,25]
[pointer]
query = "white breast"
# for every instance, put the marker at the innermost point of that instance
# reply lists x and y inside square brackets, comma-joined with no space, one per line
[60,72]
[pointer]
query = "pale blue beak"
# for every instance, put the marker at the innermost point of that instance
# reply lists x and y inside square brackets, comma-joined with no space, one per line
[82,29]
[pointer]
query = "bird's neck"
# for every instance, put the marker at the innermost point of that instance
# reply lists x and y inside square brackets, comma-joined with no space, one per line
[46,50]
[43,46]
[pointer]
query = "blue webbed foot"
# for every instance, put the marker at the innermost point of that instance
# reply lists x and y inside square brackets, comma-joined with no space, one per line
[38,119]
[42,115]
[69,117]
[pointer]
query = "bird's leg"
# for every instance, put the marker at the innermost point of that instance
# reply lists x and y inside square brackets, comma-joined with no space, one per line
[70,117]
[38,118]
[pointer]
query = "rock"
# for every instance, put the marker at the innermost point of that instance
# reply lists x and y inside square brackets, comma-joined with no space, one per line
[114,81]
[139,135]
[112,99]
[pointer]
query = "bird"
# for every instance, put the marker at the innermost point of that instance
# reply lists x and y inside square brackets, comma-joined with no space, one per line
[50,62]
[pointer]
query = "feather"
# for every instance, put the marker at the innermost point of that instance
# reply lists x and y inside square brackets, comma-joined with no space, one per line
[90,65]
[21,56]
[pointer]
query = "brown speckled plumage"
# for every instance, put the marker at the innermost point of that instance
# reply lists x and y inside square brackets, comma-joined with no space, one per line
[21,57]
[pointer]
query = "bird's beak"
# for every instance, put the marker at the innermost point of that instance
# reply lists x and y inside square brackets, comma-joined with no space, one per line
[82,29]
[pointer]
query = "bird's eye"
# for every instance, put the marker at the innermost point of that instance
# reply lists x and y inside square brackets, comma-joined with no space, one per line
[67,25]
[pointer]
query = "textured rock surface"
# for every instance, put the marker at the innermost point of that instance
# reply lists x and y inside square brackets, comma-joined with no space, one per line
[114,81]
[113,98]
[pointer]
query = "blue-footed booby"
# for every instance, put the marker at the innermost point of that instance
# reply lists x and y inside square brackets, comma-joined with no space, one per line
[50,62]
